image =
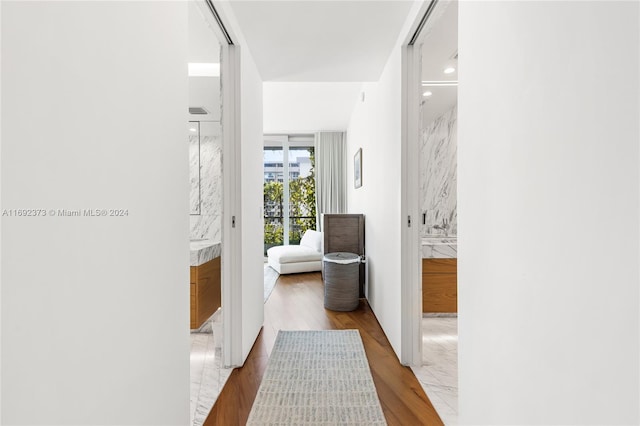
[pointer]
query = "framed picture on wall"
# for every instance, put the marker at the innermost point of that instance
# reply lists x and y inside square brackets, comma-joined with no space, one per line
[357,168]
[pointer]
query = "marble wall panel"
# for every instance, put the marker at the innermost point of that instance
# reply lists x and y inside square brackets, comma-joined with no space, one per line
[194,171]
[438,174]
[207,224]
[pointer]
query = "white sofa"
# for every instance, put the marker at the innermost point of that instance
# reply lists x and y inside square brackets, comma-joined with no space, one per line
[306,257]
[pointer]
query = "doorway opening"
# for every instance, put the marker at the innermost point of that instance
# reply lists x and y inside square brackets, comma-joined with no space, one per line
[431,70]
[207,135]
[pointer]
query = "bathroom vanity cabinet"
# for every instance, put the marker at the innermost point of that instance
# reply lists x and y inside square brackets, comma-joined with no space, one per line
[440,285]
[205,291]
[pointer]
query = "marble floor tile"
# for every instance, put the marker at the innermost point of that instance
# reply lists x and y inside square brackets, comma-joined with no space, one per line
[207,374]
[438,374]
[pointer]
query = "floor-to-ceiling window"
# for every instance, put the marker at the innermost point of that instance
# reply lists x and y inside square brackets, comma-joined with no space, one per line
[289,189]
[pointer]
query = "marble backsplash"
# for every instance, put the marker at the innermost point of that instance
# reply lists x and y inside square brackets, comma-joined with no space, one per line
[207,224]
[438,174]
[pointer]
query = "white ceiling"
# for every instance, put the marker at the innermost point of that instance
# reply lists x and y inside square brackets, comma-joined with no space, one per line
[314,55]
[302,107]
[321,41]
[203,44]
[440,45]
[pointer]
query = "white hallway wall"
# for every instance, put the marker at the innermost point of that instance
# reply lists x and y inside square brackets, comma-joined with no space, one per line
[375,126]
[95,319]
[72,350]
[548,158]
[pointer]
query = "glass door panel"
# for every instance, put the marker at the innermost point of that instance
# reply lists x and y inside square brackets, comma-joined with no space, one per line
[273,197]
[302,193]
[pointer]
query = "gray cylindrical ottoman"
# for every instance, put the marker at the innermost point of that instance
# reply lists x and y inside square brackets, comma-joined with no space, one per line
[341,281]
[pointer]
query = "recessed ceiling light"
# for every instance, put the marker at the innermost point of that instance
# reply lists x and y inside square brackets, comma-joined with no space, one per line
[193,129]
[449,70]
[427,93]
[439,83]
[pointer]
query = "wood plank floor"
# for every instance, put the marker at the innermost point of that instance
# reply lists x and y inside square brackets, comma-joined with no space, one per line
[297,304]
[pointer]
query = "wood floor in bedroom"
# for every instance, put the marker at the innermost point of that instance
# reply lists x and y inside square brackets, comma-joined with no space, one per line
[297,304]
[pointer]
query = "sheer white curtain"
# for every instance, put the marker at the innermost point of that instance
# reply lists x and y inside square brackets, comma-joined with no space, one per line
[331,174]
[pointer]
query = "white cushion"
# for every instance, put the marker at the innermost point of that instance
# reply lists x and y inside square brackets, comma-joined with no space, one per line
[295,268]
[292,254]
[312,239]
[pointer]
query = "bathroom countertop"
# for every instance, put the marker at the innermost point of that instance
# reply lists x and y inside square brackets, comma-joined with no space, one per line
[439,247]
[203,251]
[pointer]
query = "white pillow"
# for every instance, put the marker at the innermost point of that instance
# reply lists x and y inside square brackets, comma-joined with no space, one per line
[312,239]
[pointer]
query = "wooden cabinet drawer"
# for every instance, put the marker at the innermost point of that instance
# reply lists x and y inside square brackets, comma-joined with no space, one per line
[205,291]
[439,293]
[439,266]
[439,285]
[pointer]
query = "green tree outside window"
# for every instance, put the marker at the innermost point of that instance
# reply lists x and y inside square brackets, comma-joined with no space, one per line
[302,207]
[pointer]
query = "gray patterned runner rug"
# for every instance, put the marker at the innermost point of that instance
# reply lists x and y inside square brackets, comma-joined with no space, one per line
[317,378]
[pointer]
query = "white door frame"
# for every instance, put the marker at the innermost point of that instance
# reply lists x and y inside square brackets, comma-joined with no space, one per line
[411,250]
[411,266]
